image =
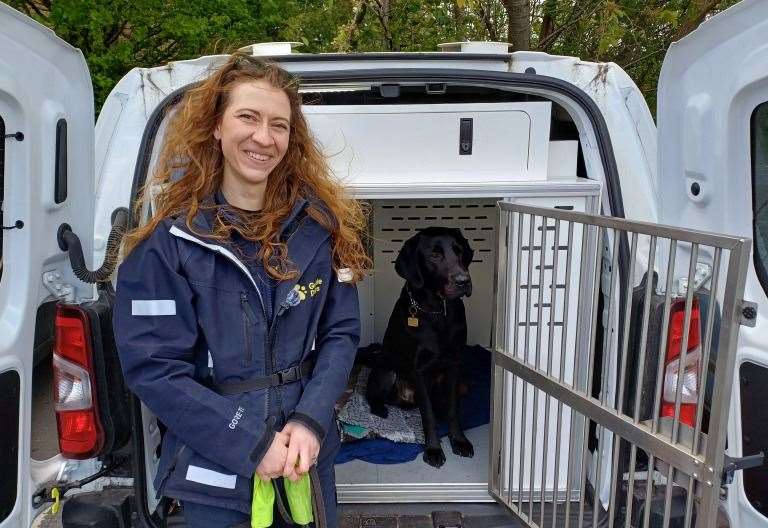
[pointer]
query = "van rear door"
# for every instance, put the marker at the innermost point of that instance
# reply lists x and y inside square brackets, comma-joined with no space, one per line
[713,171]
[46,171]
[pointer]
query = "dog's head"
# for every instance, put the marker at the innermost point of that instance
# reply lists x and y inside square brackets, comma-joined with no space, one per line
[437,258]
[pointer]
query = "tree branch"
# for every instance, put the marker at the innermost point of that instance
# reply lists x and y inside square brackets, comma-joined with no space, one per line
[485,16]
[545,43]
[692,19]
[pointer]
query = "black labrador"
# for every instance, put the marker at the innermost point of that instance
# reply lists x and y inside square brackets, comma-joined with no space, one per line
[419,363]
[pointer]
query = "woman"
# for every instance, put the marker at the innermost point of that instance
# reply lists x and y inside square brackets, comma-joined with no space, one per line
[237,314]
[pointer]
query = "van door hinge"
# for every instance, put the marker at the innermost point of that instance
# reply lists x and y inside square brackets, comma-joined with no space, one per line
[58,288]
[732,465]
[748,313]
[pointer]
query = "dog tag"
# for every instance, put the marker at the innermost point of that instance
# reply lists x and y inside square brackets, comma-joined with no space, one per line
[413,322]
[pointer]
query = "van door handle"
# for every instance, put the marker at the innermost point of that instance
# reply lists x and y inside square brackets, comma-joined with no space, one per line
[465,136]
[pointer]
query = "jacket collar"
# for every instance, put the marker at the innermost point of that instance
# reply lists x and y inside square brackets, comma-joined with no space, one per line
[304,237]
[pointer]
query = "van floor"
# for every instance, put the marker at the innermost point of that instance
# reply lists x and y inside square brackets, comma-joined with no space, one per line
[455,470]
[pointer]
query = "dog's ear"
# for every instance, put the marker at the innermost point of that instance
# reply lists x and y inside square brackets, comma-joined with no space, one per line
[407,262]
[467,253]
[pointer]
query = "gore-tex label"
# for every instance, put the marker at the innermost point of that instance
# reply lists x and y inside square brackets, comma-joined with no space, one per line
[237,417]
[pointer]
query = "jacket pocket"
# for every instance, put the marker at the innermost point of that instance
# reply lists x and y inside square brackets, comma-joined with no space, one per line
[249,321]
[196,475]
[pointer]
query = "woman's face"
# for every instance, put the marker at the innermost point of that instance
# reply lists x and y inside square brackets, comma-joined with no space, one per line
[253,132]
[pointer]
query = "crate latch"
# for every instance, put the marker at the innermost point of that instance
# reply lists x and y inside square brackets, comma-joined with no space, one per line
[733,465]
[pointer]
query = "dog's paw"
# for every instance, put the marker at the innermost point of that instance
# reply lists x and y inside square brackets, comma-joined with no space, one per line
[380,410]
[462,447]
[434,456]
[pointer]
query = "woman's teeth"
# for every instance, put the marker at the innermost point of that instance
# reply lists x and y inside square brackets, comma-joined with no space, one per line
[257,157]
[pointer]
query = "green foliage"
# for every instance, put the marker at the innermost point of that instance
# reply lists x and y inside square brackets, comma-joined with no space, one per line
[118,35]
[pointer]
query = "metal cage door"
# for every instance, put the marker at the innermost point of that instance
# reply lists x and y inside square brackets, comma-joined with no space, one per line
[592,421]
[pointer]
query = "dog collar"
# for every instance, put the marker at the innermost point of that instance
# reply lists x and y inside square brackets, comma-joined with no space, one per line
[417,306]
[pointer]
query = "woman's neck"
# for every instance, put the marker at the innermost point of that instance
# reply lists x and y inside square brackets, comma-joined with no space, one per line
[248,197]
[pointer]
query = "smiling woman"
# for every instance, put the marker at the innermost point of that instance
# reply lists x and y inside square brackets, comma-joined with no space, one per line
[254,133]
[253,221]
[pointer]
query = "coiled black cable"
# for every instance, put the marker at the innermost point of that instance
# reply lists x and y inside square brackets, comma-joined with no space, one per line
[69,241]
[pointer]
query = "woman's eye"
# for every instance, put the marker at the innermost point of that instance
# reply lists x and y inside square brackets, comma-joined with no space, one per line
[247,117]
[281,126]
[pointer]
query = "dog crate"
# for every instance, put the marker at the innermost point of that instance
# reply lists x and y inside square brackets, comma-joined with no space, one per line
[394,220]
[447,165]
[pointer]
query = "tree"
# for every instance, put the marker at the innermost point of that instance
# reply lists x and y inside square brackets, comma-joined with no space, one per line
[518,23]
[118,35]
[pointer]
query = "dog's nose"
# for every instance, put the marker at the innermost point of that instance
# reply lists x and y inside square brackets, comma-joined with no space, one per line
[462,279]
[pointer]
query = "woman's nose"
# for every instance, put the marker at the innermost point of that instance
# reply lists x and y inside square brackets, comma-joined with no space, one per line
[261,135]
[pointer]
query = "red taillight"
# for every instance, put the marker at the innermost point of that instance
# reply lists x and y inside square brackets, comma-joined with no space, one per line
[690,370]
[80,432]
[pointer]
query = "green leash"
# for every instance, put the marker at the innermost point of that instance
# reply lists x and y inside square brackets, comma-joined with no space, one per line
[300,501]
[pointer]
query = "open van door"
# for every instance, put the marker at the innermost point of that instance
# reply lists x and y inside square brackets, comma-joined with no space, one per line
[46,170]
[713,175]
[671,361]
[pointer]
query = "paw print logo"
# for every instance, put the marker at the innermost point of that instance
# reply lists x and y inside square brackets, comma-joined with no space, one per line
[296,295]
[301,290]
[314,287]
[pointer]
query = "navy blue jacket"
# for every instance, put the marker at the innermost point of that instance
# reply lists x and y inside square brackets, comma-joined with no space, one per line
[188,308]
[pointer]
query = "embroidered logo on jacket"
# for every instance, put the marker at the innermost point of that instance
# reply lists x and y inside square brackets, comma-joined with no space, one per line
[237,417]
[300,292]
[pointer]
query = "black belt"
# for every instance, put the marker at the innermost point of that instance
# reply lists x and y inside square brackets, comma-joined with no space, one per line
[289,375]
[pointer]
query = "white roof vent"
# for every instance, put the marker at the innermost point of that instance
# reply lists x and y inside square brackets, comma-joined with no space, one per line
[270,48]
[475,47]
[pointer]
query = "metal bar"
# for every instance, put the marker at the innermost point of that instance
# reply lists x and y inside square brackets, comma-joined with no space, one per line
[540,324]
[694,257]
[515,344]
[498,375]
[660,374]
[738,260]
[550,343]
[563,342]
[591,408]
[590,369]
[642,228]
[684,345]
[641,374]
[622,375]
[524,407]
[605,369]
[583,279]
[707,348]
[702,378]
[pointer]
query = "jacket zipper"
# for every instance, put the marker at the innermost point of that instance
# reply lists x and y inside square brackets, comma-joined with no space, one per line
[248,322]
[269,346]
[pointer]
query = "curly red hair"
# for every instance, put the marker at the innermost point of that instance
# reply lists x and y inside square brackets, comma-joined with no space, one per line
[190,170]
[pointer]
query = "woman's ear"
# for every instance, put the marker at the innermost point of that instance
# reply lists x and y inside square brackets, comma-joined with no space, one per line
[217,133]
[407,263]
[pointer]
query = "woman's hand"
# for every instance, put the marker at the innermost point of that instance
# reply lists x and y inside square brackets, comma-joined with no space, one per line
[273,463]
[303,448]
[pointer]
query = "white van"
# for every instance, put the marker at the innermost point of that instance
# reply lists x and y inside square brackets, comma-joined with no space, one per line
[554,170]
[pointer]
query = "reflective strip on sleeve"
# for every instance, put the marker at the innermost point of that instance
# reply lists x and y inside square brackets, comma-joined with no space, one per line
[154,307]
[211,478]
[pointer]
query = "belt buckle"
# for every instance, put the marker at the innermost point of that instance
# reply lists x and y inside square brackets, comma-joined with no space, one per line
[288,375]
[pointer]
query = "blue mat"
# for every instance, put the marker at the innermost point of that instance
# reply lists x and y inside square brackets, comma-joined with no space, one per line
[475,408]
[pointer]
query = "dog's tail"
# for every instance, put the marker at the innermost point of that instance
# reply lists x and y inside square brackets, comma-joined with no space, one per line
[370,355]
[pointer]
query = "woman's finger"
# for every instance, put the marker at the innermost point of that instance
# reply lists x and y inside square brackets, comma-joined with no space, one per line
[305,460]
[289,470]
